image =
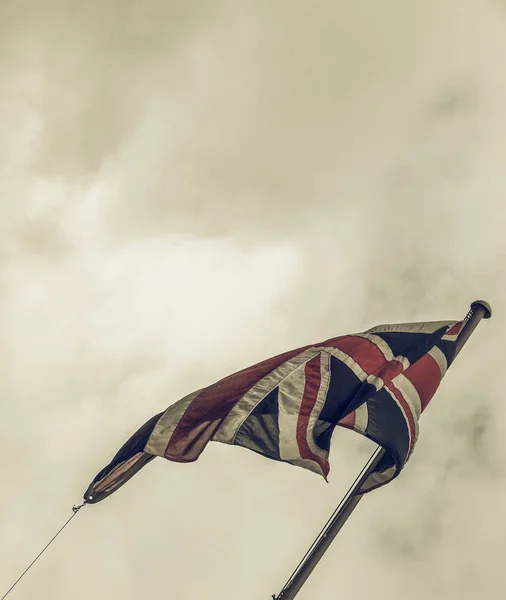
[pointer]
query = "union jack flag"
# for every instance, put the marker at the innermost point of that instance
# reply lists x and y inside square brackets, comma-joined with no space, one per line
[286,407]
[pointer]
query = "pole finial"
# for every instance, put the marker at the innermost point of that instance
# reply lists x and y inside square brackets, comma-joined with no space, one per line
[483,304]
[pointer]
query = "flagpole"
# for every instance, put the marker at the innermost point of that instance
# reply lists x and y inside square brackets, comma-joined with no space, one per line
[329,532]
[479,310]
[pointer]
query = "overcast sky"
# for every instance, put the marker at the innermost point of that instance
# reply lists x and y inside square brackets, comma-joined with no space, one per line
[189,187]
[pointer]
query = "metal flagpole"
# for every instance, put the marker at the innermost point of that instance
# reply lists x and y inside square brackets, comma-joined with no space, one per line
[329,532]
[479,310]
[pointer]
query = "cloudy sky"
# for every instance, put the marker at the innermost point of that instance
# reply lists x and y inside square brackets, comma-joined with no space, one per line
[189,187]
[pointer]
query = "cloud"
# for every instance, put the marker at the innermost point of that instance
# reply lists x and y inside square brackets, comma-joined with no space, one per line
[186,189]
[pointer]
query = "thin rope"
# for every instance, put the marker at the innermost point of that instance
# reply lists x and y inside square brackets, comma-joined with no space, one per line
[75,510]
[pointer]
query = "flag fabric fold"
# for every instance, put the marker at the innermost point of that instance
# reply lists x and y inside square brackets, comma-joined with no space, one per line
[286,408]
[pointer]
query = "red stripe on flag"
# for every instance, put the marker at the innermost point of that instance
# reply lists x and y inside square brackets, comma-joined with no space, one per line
[368,357]
[373,362]
[391,370]
[455,329]
[209,408]
[363,351]
[409,416]
[425,375]
[348,421]
[313,380]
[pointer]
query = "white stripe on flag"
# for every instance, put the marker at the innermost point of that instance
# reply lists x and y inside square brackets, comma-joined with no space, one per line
[385,349]
[413,435]
[242,410]
[348,361]
[438,355]
[453,337]
[376,479]
[167,423]
[409,393]
[428,328]
[379,343]
[320,401]
[361,418]
[291,392]
[290,396]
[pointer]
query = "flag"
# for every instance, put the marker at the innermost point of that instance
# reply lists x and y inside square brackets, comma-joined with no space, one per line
[286,408]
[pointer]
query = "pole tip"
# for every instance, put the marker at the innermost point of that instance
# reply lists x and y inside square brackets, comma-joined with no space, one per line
[483,304]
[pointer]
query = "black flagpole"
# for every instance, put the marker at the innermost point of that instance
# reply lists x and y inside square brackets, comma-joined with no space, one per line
[479,310]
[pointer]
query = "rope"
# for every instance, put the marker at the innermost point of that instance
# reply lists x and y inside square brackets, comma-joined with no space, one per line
[75,510]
